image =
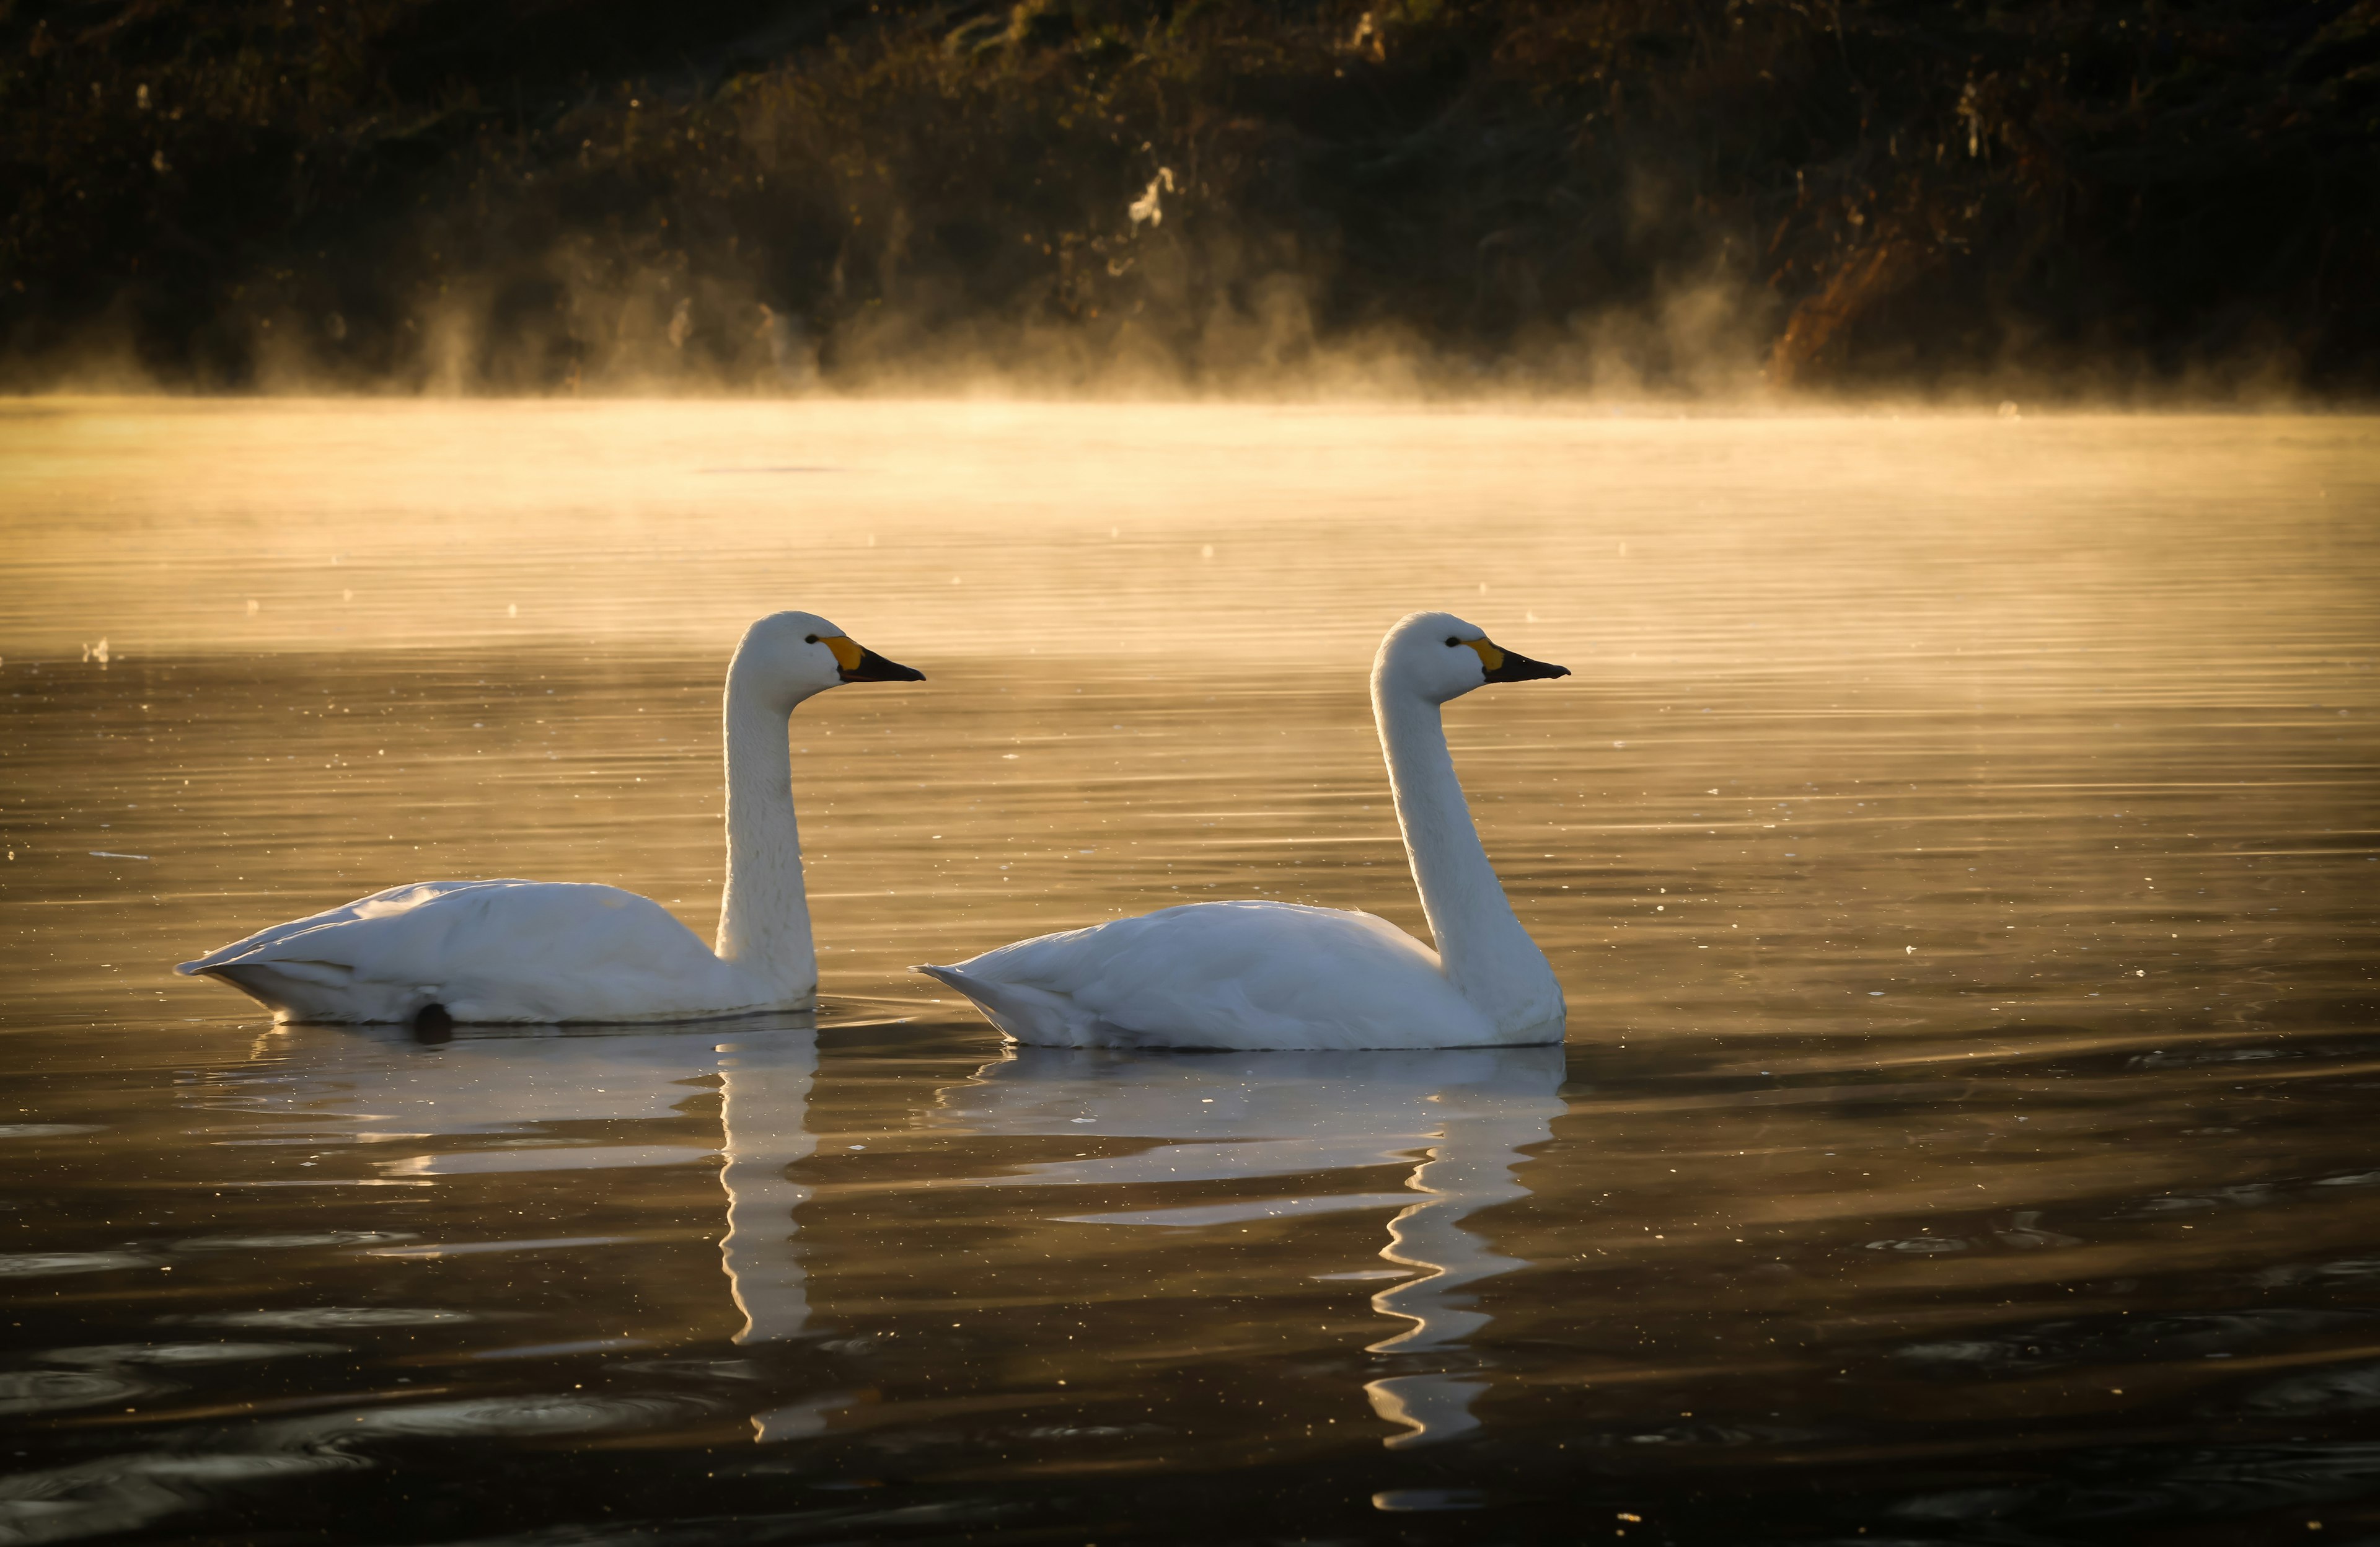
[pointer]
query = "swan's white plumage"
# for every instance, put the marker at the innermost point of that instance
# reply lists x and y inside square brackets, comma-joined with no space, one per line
[1267,975]
[489,952]
[1223,974]
[527,951]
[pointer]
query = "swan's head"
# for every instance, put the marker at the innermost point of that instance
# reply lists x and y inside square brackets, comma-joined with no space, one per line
[789,656]
[1437,656]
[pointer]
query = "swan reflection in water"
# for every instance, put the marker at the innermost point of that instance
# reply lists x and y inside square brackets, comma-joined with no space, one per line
[374,1086]
[1463,1115]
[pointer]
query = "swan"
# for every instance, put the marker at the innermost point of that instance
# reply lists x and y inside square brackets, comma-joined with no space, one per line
[1282,975]
[436,953]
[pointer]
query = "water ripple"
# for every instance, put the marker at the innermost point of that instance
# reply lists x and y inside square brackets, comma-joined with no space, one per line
[124,1492]
[184,1353]
[50,1264]
[48,1390]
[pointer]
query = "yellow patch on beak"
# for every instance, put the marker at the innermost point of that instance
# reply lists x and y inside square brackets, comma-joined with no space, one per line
[846,655]
[1490,658]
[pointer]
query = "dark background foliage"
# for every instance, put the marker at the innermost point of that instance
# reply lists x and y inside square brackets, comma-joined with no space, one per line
[539,194]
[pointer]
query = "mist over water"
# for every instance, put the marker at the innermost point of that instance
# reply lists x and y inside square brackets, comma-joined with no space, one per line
[1957,846]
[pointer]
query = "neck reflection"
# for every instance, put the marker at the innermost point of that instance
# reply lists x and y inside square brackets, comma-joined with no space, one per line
[763,1095]
[521,1100]
[1459,1117]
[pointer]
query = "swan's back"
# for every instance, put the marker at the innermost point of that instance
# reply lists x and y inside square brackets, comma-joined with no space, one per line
[1223,975]
[602,952]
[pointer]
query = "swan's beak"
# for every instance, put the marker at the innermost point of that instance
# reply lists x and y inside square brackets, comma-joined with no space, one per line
[856,664]
[1504,666]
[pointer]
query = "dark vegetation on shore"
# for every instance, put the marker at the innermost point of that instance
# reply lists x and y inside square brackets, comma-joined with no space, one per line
[2084,196]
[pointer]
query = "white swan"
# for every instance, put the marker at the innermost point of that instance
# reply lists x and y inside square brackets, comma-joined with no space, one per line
[439,952]
[1281,975]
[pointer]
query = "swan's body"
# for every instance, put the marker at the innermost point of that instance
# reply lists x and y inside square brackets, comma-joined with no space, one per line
[1223,974]
[490,951]
[527,951]
[1278,975]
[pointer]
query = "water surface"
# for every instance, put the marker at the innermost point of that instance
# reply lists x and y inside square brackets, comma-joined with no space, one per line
[1957,844]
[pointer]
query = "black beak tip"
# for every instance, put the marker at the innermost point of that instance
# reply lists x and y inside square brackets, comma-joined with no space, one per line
[873,667]
[1520,668]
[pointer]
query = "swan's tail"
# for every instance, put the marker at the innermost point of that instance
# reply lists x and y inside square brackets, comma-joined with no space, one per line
[1028,1015]
[276,992]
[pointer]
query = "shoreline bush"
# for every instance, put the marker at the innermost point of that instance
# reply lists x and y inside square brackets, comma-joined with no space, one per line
[1707,199]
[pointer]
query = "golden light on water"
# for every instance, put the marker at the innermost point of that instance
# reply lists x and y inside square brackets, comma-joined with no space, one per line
[494,630]
[1948,549]
[1956,845]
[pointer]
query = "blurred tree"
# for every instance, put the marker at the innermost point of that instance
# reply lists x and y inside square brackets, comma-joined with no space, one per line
[553,194]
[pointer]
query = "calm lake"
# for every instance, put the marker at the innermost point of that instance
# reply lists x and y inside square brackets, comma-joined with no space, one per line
[1959,845]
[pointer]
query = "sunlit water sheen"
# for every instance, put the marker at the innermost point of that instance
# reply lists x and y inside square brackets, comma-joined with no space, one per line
[1957,844]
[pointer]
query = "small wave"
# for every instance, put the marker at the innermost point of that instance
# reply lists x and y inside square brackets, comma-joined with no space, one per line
[2344,1389]
[49,1265]
[330,1317]
[2163,1482]
[2355,1270]
[294,1240]
[482,1417]
[184,1353]
[49,1391]
[1406,1501]
[2129,1339]
[124,1492]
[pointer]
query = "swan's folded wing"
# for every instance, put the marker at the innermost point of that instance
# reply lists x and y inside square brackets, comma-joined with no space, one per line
[396,934]
[598,950]
[1235,974]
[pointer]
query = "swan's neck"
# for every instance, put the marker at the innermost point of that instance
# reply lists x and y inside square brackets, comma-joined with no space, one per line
[1486,954]
[764,917]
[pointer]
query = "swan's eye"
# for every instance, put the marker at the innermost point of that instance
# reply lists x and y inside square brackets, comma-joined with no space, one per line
[812,639]
[1451,642]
